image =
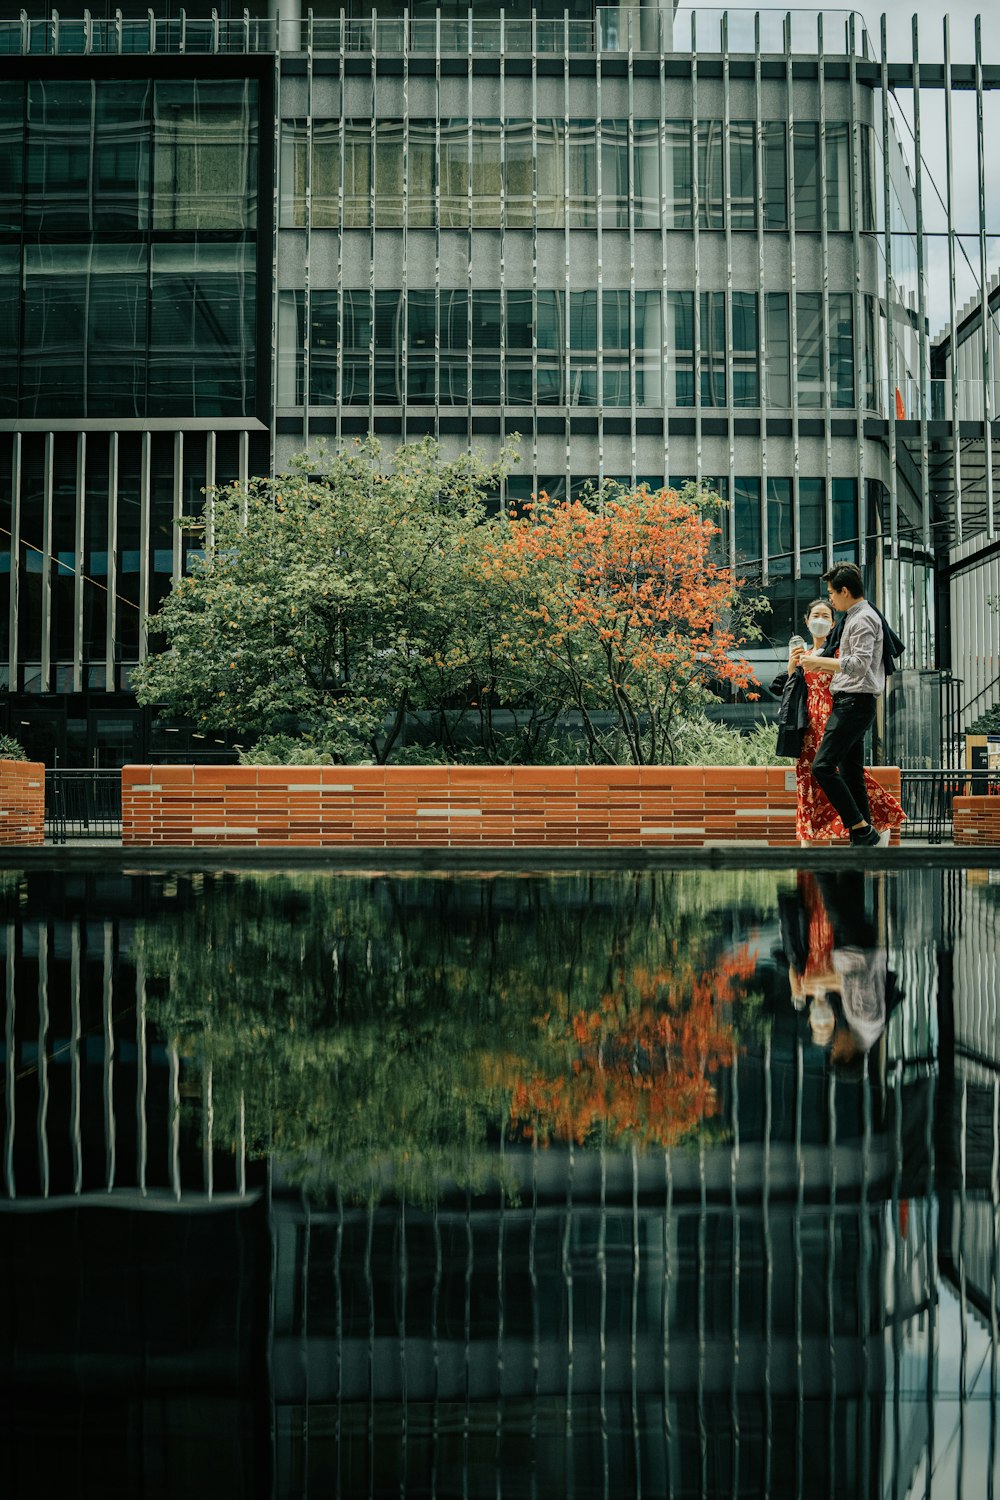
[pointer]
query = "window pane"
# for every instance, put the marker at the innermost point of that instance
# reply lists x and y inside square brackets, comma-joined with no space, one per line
[388,348]
[486,348]
[294,141]
[116,330]
[420,187]
[205,155]
[806,168]
[323,338]
[550,337]
[614,173]
[809,315]
[775,176]
[648,349]
[678,184]
[551,172]
[713,348]
[291,348]
[583,346]
[357,174]
[811,526]
[617,342]
[454,174]
[845,520]
[746,519]
[357,327]
[389,174]
[777,349]
[486,174]
[742,174]
[57,178]
[53,355]
[711,204]
[454,348]
[326,174]
[581,186]
[646,173]
[420,347]
[10,302]
[680,347]
[838,176]
[11,154]
[518,173]
[746,386]
[842,348]
[779,527]
[202,354]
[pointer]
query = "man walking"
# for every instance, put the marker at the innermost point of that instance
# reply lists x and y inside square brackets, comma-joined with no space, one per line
[858,683]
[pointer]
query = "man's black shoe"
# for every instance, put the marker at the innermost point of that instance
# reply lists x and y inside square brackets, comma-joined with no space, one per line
[864,838]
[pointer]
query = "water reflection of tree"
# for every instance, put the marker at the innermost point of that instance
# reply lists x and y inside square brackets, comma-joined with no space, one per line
[404,1028]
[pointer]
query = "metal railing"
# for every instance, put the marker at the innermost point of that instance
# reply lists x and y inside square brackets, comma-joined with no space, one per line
[613,28]
[82,805]
[927,798]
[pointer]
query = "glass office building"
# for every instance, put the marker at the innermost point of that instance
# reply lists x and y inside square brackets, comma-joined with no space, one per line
[656,246]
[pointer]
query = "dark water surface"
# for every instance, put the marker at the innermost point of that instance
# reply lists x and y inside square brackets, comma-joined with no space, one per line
[665,1184]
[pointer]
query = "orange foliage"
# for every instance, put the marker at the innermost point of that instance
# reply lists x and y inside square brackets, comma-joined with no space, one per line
[640,1066]
[628,591]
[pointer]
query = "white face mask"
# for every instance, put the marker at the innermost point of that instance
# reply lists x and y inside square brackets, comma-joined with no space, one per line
[819,626]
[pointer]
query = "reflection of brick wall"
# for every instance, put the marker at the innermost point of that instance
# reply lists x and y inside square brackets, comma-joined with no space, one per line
[22,802]
[977,820]
[498,806]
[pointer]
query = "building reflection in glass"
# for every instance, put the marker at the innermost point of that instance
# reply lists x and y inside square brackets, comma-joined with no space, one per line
[666,1183]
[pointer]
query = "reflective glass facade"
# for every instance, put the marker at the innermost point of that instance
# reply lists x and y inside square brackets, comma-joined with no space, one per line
[129,220]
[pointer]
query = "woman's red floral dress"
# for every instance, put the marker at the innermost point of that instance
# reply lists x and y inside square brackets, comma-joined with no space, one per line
[815,817]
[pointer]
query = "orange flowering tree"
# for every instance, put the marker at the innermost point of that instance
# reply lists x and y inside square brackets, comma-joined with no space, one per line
[619,608]
[640,1066]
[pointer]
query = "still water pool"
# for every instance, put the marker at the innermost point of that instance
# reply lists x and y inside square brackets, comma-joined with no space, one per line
[674,1183]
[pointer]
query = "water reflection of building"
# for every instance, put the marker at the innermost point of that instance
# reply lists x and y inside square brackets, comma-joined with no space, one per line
[780,1285]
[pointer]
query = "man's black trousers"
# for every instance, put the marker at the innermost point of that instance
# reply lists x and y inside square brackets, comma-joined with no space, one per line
[839,764]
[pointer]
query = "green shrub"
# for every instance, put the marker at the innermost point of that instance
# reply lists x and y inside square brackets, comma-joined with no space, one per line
[10,749]
[987,723]
[700,741]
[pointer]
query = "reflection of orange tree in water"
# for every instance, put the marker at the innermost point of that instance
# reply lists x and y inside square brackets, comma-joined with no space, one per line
[370,1031]
[640,1068]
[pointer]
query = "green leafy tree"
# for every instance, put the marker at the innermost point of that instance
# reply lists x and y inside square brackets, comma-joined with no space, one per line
[330,603]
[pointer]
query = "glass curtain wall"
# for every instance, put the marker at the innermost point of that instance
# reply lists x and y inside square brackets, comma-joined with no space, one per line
[658,167]
[129,213]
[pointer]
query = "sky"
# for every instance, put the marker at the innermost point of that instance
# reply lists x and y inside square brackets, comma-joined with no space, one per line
[930,15]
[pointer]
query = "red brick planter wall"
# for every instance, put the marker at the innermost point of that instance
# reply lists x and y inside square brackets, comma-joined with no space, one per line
[977,820]
[451,806]
[22,802]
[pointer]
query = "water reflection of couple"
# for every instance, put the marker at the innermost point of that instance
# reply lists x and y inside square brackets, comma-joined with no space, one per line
[837,968]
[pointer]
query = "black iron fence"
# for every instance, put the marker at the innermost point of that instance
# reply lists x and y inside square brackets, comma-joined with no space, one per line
[82,805]
[927,798]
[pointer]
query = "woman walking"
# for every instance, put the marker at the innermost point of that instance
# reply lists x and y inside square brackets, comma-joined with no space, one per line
[816,820]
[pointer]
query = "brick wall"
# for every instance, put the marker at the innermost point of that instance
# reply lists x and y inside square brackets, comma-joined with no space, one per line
[22,802]
[493,806]
[977,820]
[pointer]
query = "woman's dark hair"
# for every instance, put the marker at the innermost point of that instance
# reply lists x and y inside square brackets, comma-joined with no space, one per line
[846,576]
[826,605]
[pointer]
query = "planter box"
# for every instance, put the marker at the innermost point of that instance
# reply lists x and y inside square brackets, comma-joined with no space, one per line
[977,821]
[460,806]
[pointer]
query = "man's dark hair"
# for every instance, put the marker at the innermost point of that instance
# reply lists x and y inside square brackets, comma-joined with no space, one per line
[846,576]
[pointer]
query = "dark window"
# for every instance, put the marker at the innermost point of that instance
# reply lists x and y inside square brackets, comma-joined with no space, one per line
[202,338]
